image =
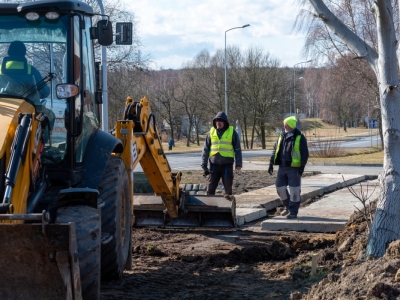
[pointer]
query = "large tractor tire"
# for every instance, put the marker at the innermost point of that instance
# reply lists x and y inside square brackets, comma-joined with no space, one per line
[88,235]
[115,218]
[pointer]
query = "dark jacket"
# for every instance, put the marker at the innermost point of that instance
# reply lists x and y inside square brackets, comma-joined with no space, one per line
[218,159]
[284,157]
[171,142]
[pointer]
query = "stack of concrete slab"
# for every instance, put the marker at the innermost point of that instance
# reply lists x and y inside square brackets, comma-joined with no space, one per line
[315,217]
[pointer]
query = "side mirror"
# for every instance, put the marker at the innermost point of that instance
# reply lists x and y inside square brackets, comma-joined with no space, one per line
[104,32]
[64,91]
[123,33]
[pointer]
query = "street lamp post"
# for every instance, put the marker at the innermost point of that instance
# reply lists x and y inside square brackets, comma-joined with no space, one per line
[294,84]
[225,63]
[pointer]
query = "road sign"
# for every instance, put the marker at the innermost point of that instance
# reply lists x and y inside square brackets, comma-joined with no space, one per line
[373,123]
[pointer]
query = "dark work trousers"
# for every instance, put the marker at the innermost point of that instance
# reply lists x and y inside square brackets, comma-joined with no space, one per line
[288,176]
[217,172]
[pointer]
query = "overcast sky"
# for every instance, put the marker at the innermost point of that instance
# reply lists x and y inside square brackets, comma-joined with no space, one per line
[175,31]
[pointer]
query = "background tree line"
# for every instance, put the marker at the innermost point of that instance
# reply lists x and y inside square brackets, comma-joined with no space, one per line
[261,93]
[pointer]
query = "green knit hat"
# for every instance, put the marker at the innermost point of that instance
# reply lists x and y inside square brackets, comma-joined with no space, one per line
[291,121]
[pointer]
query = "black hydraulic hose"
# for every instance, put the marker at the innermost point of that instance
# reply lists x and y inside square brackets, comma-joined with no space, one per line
[34,199]
[17,155]
[152,118]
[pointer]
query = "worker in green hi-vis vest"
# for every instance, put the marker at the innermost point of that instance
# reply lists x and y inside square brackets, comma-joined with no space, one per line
[291,154]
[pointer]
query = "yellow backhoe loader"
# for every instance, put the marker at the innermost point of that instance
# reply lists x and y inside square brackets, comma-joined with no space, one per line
[66,202]
[170,206]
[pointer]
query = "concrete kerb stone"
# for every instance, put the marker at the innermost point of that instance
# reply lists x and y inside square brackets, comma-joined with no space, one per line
[342,164]
[272,204]
[311,194]
[246,215]
[332,188]
[320,164]
[188,187]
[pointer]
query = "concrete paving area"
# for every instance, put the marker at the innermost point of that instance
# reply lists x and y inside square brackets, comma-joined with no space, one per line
[328,214]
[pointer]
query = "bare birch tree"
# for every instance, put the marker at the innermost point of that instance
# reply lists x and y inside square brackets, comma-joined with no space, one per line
[383,60]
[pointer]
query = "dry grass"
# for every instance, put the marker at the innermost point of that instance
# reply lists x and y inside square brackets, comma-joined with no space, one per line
[180,147]
[327,148]
[317,129]
[350,156]
[355,156]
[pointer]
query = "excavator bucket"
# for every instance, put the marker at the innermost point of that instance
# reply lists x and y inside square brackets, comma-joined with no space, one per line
[195,211]
[39,262]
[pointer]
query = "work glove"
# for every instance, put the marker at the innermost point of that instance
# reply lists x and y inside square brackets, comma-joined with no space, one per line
[270,169]
[206,173]
[300,171]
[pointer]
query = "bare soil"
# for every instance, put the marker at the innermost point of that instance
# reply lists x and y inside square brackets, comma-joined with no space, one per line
[244,181]
[248,263]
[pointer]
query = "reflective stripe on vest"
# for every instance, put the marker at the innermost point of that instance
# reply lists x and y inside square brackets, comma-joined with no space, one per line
[296,157]
[224,145]
[17,65]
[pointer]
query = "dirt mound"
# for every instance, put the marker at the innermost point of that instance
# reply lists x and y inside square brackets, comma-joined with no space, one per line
[253,254]
[350,274]
[363,280]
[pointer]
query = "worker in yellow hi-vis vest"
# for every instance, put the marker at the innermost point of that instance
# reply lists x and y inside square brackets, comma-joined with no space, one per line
[221,149]
[17,64]
[291,154]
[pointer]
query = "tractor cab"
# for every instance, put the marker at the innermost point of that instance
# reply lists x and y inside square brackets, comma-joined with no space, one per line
[47,60]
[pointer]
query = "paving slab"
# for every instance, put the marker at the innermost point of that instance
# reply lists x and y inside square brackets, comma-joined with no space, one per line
[246,215]
[328,214]
[267,199]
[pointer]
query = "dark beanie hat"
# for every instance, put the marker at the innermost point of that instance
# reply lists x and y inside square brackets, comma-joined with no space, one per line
[17,48]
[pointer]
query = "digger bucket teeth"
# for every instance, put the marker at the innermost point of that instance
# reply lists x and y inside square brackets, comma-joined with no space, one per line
[37,264]
[195,211]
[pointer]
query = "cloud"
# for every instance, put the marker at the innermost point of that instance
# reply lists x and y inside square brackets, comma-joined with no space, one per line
[173,32]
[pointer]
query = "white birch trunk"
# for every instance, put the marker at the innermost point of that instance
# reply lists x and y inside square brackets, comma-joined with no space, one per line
[384,62]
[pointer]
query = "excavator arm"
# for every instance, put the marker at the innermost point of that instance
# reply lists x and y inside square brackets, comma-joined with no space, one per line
[142,143]
[170,205]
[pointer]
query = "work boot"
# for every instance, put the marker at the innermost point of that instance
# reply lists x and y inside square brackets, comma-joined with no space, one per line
[285,211]
[290,216]
[228,197]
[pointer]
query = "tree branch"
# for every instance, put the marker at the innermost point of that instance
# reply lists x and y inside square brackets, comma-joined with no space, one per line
[356,44]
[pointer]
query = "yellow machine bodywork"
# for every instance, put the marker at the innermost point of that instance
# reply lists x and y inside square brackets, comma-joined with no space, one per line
[26,245]
[10,109]
[145,147]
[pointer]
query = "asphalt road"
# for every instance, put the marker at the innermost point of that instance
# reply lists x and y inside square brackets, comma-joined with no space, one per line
[361,142]
[192,161]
